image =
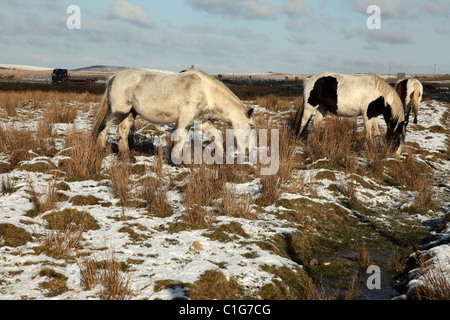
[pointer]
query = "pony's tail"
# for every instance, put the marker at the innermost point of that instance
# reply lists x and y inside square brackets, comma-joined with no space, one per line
[415,101]
[102,112]
[296,121]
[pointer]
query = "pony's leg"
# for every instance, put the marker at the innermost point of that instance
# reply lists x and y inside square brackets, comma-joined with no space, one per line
[415,109]
[101,139]
[210,131]
[124,130]
[371,127]
[307,114]
[182,126]
[320,114]
[373,123]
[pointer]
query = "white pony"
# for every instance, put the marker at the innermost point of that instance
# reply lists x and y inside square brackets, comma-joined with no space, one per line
[411,93]
[180,98]
[352,96]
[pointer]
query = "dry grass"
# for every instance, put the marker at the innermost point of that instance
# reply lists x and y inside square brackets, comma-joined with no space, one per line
[115,283]
[397,261]
[13,236]
[56,105]
[205,185]
[434,285]
[60,113]
[273,185]
[154,195]
[347,188]
[85,157]
[376,153]
[413,175]
[365,260]
[10,102]
[351,291]
[7,184]
[214,285]
[336,141]
[64,233]
[60,243]
[273,102]
[88,271]
[17,143]
[235,205]
[42,204]
[120,180]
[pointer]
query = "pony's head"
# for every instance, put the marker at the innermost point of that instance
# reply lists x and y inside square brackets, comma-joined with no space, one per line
[396,124]
[395,136]
[244,130]
[251,120]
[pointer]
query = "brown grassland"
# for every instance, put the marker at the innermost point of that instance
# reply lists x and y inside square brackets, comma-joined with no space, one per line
[334,159]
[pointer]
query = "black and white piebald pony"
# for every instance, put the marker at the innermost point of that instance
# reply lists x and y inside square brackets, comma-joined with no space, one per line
[411,93]
[351,96]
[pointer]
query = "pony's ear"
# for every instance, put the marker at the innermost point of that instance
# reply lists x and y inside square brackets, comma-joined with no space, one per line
[250,113]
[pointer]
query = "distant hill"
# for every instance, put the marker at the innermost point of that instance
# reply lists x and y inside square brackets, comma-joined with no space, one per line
[112,69]
[101,68]
[24,67]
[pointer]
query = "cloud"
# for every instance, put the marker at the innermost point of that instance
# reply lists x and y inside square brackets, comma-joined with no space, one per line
[389,37]
[247,34]
[297,8]
[437,8]
[301,39]
[445,30]
[241,9]
[123,10]
[371,47]
[390,9]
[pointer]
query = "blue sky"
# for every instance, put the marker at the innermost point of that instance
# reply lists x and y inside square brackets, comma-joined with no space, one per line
[220,36]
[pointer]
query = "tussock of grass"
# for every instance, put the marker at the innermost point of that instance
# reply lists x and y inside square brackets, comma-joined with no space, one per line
[273,102]
[45,203]
[202,189]
[17,143]
[214,285]
[110,274]
[56,285]
[121,184]
[85,157]
[153,193]
[13,236]
[434,284]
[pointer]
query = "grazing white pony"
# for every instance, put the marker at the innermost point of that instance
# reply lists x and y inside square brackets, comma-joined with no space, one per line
[411,93]
[351,96]
[165,99]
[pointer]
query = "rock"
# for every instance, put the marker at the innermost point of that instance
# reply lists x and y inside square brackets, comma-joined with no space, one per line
[171,242]
[195,246]
[314,262]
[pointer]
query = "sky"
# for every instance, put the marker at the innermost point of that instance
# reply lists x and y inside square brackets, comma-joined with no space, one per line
[226,36]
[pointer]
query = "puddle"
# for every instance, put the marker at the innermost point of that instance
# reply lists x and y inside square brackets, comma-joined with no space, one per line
[350,258]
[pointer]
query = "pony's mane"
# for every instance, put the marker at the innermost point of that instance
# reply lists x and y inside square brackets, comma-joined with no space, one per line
[218,85]
[391,96]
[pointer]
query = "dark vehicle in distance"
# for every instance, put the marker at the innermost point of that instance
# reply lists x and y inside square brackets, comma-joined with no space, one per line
[61,75]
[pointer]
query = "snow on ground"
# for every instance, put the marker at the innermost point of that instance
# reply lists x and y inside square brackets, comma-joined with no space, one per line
[169,256]
[24,67]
